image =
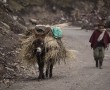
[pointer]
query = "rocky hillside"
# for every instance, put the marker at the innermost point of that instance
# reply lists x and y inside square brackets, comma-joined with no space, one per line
[10,28]
[15,19]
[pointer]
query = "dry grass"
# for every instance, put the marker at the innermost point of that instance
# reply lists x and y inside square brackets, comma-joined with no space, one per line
[26,52]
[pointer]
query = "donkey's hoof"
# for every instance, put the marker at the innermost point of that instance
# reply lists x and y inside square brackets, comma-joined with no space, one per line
[96,65]
[39,79]
[50,76]
[43,77]
[100,68]
[46,76]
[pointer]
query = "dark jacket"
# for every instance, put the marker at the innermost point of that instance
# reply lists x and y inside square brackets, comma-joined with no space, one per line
[94,37]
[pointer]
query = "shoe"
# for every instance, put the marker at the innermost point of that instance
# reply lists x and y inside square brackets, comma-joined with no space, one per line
[100,64]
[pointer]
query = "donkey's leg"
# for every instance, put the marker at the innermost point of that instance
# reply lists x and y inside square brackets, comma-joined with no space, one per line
[39,77]
[47,70]
[41,69]
[51,69]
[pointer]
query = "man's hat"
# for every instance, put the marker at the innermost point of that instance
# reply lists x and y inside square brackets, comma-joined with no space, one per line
[101,24]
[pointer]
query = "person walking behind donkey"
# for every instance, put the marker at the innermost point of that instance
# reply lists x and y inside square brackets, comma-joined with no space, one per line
[99,40]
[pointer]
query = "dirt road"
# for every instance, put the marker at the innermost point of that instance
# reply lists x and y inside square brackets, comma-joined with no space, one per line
[79,74]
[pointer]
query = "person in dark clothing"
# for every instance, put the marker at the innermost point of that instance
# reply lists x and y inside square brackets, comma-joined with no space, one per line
[99,40]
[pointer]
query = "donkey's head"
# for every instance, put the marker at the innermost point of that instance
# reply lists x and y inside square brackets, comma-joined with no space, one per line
[39,43]
[39,46]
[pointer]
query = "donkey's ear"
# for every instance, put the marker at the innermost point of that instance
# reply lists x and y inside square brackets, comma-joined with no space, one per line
[47,30]
[35,33]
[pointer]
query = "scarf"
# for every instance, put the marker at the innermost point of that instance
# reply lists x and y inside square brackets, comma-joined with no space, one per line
[101,35]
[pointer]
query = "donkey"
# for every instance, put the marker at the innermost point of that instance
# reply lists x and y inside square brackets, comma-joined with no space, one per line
[40,51]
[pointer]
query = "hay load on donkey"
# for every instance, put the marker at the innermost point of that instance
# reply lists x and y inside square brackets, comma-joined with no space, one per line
[44,48]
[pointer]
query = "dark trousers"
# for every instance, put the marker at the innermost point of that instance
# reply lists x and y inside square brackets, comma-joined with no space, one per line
[99,56]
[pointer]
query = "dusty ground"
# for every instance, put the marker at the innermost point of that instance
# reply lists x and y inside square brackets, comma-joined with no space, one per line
[79,74]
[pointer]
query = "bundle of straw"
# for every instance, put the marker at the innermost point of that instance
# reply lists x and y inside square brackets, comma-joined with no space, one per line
[27,54]
[56,50]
